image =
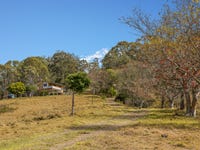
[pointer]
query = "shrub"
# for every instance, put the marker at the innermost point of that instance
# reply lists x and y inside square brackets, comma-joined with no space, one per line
[112,92]
[17,88]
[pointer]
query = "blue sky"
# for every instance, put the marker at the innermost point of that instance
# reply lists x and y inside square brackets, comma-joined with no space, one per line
[82,27]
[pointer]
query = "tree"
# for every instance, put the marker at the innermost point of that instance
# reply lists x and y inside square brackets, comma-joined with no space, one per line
[17,88]
[34,70]
[77,82]
[83,65]
[94,65]
[124,72]
[103,82]
[61,64]
[134,84]
[8,73]
[117,56]
[30,89]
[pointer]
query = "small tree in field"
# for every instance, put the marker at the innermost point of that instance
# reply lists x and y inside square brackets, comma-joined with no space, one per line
[77,82]
[17,88]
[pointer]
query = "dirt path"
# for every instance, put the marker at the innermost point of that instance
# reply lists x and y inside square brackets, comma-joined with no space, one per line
[96,129]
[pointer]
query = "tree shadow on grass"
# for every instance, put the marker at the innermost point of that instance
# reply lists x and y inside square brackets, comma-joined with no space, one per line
[166,123]
[129,116]
[98,127]
[110,125]
[89,96]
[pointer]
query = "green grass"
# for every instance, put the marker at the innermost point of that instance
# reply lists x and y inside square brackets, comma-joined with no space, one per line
[169,118]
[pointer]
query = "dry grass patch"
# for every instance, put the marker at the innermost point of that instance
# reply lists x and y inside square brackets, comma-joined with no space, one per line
[33,117]
[138,138]
[158,129]
[45,123]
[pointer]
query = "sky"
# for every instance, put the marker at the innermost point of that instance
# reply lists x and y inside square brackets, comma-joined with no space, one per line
[85,28]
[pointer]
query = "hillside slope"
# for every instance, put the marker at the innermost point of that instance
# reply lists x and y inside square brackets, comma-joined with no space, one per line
[44,123]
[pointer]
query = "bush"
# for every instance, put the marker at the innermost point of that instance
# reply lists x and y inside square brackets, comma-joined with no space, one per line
[42,93]
[112,92]
[121,97]
[17,88]
[135,100]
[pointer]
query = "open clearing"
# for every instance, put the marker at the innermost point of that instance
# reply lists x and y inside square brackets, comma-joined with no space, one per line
[43,123]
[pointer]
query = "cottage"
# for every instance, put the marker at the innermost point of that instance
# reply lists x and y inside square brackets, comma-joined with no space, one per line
[52,88]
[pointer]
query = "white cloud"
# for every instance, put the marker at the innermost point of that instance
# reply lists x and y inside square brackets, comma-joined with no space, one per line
[98,54]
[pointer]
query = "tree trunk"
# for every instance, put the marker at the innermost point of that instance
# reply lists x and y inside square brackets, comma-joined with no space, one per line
[2,95]
[93,93]
[194,103]
[182,103]
[141,104]
[188,103]
[72,113]
[171,103]
[162,101]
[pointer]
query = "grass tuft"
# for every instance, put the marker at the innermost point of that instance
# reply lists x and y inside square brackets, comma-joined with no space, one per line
[6,108]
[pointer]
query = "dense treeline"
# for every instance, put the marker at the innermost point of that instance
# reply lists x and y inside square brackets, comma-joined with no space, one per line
[163,64]
[170,49]
[33,71]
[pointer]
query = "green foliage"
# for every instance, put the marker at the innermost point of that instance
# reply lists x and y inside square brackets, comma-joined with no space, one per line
[78,82]
[117,56]
[112,92]
[83,65]
[121,97]
[34,70]
[135,100]
[42,93]
[17,88]
[94,65]
[61,64]
[103,82]
[8,74]
[30,89]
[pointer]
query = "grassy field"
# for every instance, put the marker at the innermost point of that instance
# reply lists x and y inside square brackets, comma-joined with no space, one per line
[42,123]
